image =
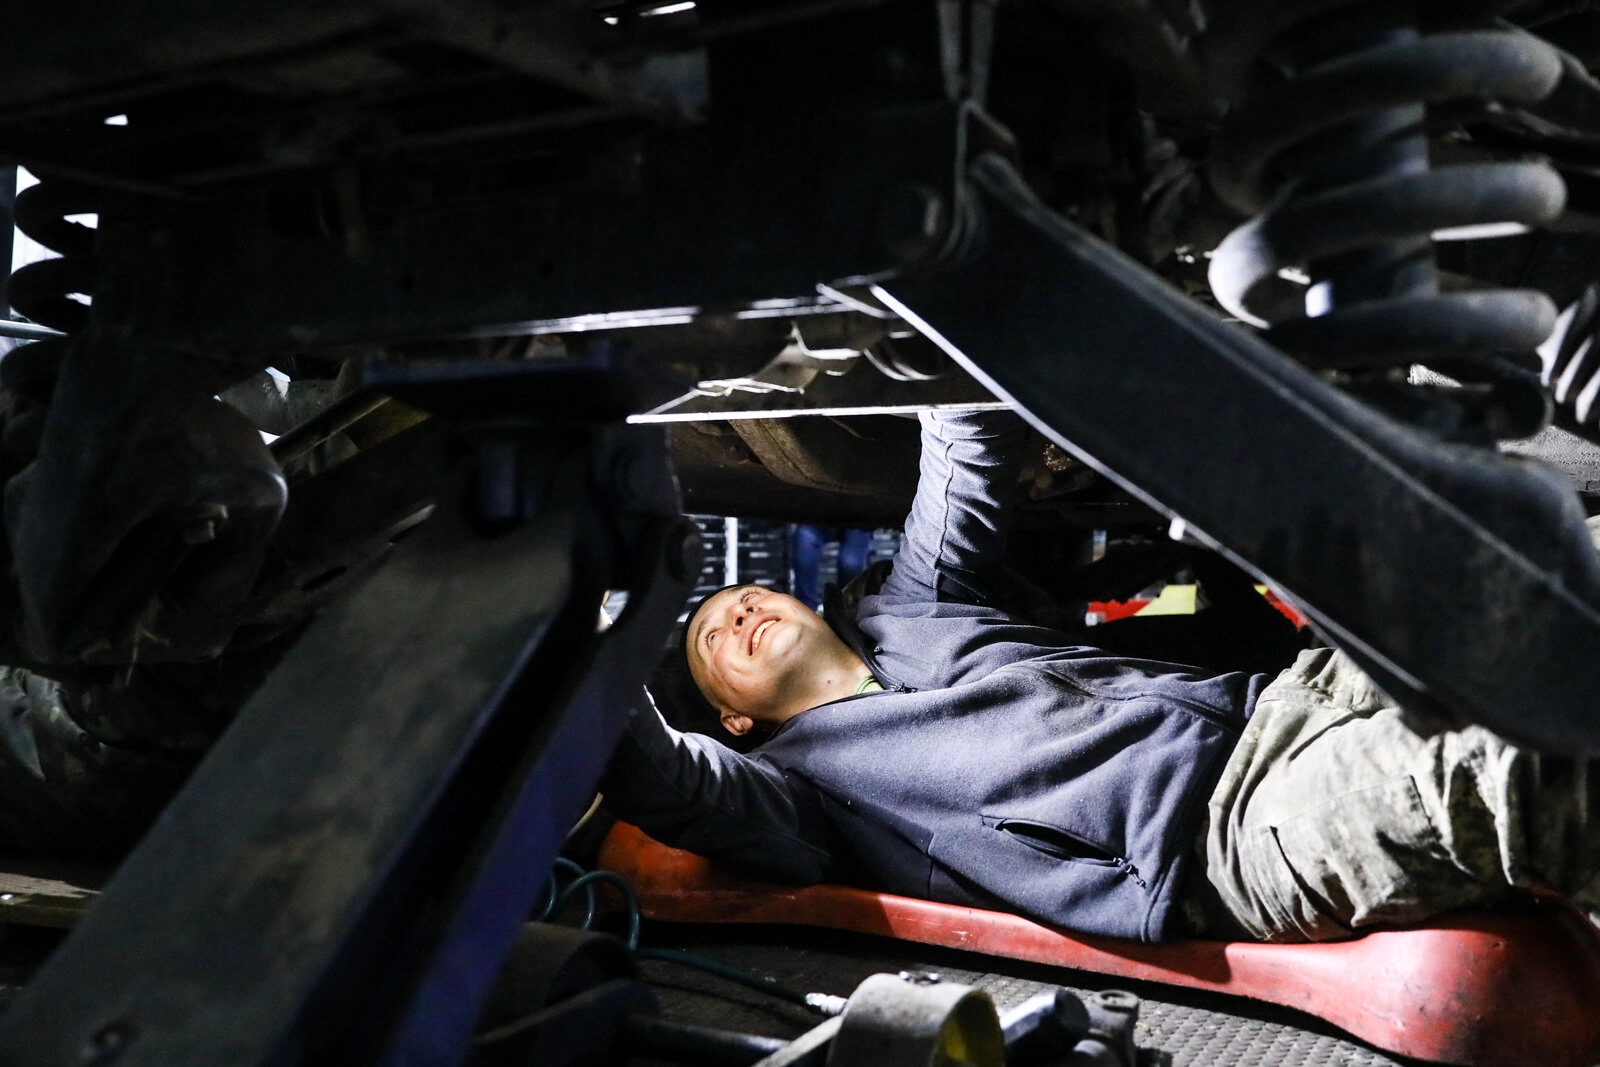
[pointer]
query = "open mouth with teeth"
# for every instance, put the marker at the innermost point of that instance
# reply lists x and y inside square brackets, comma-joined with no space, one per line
[757,634]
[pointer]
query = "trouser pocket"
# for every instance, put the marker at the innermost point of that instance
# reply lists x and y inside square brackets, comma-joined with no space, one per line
[1369,856]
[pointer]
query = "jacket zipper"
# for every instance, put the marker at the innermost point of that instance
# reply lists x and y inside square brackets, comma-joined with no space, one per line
[869,656]
[1211,715]
[1127,868]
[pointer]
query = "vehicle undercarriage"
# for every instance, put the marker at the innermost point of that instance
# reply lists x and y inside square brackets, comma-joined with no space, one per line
[1310,284]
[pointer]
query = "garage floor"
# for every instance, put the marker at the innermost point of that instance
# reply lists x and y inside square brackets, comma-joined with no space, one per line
[1196,1028]
[38,899]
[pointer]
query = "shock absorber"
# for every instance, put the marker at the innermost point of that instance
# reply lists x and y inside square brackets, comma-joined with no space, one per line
[42,291]
[1332,164]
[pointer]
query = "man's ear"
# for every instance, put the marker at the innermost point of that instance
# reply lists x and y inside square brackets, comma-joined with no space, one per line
[736,724]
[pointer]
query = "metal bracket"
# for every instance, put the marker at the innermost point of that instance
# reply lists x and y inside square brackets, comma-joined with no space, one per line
[915,1019]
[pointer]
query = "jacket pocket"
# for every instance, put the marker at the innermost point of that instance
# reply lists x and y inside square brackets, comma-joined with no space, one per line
[1052,840]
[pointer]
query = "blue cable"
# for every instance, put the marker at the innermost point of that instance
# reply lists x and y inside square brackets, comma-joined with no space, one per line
[587,883]
[557,898]
[552,893]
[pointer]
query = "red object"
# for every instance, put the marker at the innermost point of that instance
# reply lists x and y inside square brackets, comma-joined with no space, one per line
[1112,610]
[1513,986]
[1288,610]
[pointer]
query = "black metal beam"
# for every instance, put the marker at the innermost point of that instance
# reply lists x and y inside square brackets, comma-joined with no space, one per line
[77,62]
[341,877]
[1464,581]
[718,221]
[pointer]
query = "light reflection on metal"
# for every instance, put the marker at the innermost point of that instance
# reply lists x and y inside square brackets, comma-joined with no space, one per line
[669,316]
[728,386]
[791,307]
[26,330]
[854,302]
[608,320]
[1481,232]
[666,414]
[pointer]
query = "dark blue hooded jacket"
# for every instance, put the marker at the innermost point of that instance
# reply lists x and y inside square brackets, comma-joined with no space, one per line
[1002,766]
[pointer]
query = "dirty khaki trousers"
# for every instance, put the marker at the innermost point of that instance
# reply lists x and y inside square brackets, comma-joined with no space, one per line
[1336,812]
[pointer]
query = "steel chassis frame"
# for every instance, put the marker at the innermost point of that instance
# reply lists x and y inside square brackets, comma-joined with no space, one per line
[394,794]
[378,760]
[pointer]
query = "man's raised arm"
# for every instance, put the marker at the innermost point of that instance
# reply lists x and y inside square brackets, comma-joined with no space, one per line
[956,532]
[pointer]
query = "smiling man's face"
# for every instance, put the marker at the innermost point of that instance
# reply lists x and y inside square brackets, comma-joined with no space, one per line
[751,651]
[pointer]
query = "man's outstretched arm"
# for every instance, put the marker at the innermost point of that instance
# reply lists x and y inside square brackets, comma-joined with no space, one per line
[689,791]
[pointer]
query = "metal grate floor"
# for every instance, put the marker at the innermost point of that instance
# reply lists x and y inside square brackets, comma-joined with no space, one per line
[1198,1029]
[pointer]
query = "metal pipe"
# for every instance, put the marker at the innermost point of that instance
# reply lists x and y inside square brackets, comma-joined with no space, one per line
[28,331]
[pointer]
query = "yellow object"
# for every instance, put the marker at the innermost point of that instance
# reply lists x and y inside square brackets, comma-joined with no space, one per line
[1174,600]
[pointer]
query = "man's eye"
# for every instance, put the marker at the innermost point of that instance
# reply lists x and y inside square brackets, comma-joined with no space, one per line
[711,638]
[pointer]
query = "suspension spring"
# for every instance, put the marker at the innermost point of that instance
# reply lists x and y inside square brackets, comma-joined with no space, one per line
[1572,366]
[1332,163]
[42,291]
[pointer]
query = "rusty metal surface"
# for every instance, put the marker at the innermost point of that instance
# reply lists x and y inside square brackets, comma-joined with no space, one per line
[39,891]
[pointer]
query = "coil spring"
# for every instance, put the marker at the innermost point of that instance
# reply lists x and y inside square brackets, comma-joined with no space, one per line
[41,292]
[1572,366]
[1333,166]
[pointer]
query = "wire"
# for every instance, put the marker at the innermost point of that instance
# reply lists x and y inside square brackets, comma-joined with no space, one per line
[587,883]
[558,898]
[770,986]
[547,910]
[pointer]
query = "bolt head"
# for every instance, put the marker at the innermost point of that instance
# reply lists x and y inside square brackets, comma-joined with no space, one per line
[921,977]
[1117,1000]
[914,220]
